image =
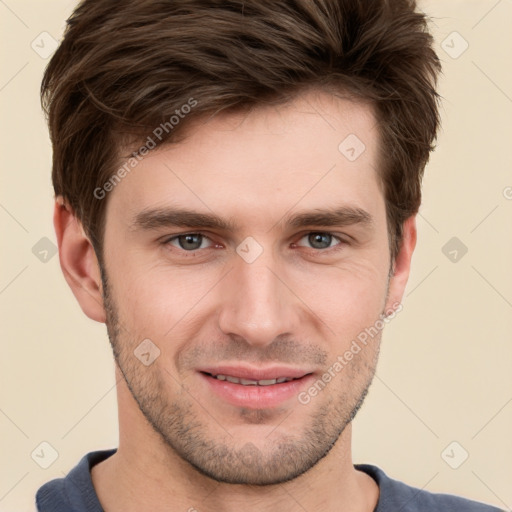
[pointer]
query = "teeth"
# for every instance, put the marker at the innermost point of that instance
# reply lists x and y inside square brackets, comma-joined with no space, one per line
[250,382]
[267,382]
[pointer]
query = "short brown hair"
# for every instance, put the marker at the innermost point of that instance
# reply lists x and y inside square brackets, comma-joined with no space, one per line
[125,66]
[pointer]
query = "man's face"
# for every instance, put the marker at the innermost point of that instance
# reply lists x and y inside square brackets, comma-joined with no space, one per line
[295,267]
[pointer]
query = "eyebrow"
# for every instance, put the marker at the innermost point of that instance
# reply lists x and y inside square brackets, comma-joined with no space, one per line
[343,216]
[178,217]
[152,219]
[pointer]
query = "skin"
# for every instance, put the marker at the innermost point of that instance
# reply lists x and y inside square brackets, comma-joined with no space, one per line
[182,446]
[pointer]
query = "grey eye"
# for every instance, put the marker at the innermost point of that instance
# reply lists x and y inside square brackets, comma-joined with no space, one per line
[189,241]
[320,240]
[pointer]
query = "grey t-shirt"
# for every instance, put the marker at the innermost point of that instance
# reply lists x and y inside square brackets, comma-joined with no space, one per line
[75,492]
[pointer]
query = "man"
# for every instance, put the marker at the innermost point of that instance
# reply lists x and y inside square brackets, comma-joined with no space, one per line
[236,189]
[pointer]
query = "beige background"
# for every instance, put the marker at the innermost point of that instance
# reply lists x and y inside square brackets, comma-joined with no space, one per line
[445,372]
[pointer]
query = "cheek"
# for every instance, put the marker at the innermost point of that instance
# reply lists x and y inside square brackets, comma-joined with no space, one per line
[155,301]
[348,298]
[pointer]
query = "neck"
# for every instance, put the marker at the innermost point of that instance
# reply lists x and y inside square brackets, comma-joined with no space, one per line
[146,474]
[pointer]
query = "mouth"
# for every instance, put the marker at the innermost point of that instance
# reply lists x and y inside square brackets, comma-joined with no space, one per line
[255,388]
[251,382]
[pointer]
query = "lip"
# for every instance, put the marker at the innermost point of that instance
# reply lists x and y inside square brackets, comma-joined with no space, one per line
[255,397]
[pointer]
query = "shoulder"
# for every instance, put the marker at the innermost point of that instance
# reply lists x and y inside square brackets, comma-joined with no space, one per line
[396,495]
[75,492]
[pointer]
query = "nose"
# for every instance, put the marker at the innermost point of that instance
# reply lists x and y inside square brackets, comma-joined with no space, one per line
[258,305]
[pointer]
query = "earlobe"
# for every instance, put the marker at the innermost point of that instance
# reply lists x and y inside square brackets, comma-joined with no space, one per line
[402,264]
[78,261]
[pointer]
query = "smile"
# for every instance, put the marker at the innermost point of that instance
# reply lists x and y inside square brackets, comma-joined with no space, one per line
[255,388]
[250,382]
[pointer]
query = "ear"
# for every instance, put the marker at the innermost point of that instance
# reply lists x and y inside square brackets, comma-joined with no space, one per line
[78,261]
[402,264]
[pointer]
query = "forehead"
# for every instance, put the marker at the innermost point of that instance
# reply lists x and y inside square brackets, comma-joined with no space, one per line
[315,151]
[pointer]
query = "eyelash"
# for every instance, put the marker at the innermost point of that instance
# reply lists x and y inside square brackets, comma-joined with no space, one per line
[341,242]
